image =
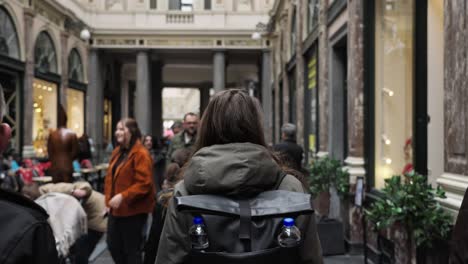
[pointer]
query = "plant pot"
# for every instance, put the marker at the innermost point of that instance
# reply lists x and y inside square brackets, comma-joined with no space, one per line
[331,236]
[322,204]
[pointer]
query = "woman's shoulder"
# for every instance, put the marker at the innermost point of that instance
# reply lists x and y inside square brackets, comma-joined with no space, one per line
[291,183]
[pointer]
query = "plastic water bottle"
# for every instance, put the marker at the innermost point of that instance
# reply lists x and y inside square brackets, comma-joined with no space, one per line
[290,236]
[198,234]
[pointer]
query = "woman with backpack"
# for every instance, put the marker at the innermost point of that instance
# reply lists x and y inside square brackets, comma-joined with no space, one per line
[231,160]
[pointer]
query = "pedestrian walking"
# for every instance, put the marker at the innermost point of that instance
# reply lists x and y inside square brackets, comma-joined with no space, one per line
[158,157]
[289,151]
[231,160]
[129,194]
[185,138]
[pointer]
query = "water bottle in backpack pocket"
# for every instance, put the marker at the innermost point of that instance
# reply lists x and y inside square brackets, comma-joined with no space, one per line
[259,230]
[198,235]
[289,236]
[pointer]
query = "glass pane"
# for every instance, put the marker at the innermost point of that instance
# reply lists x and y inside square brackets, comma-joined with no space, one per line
[107,121]
[44,54]
[9,45]
[292,96]
[312,10]
[75,67]
[393,88]
[75,111]
[44,115]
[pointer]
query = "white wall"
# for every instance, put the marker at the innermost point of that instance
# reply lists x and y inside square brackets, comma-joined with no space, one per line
[435,81]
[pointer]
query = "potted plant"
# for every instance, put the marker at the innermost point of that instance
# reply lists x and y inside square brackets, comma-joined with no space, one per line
[408,207]
[326,174]
[326,181]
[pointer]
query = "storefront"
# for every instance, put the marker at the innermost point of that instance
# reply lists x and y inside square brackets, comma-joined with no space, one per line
[76,94]
[11,73]
[397,90]
[45,93]
[311,106]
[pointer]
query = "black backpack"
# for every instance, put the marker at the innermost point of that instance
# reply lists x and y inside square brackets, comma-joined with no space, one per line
[245,230]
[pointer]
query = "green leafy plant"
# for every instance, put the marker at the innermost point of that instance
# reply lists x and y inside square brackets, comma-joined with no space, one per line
[411,201]
[326,172]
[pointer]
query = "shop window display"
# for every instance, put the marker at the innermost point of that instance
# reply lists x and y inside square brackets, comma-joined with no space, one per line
[75,111]
[44,115]
[394,32]
[312,90]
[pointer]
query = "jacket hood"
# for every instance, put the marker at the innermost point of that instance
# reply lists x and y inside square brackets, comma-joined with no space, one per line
[235,170]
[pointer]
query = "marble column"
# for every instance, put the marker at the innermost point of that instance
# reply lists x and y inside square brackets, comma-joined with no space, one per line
[64,74]
[355,116]
[266,95]
[95,103]
[299,76]
[204,98]
[157,104]
[454,179]
[323,77]
[27,122]
[143,93]
[219,70]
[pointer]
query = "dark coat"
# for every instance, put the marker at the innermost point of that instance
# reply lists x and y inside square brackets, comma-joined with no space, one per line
[290,152]
[238,170]
[26,236]
[459,243]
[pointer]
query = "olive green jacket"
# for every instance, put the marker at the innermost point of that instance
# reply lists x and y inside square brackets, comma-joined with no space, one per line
[178,142]
[235,170]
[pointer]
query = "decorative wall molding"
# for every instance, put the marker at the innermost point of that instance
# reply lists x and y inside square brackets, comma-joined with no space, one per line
[355,167]
[455,186]
[177,42]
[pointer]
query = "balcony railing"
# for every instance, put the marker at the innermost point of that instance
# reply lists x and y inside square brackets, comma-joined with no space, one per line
[179,18]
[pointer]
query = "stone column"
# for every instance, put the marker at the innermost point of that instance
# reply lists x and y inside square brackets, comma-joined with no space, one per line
[95,103]
[355,160]
[64,76]
[323,77]
[455,176]
[219,70]
[266,95]
[27,123]
[204,98]
[157,107]
[299,75]
[143,93]
[116,94]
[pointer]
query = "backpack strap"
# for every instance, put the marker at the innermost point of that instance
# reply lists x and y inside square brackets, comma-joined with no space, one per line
[245,217]
[280,180]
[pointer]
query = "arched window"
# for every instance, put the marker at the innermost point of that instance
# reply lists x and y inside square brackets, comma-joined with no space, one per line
[75,66]
[9,45]
[45,57]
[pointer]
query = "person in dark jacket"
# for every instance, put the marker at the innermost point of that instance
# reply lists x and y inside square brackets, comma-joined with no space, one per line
[290,152]
[26,236]
[231,159]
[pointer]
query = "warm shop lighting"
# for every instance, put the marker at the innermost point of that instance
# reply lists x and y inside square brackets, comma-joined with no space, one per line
[388,92]
[387,161]
[386,140]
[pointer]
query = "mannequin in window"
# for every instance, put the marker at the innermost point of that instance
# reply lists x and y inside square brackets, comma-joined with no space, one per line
[62,147]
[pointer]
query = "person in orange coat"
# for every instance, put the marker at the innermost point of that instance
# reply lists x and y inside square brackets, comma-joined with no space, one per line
[129,193]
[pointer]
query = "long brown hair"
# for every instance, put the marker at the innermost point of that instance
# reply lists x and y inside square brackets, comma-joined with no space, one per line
[232,116]
[132,126]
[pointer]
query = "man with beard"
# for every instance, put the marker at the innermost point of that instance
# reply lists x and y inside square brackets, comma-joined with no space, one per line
[186,138]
